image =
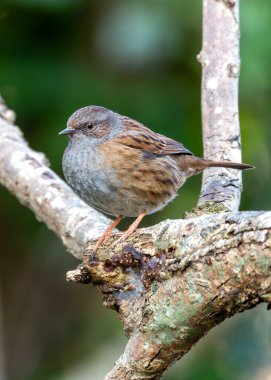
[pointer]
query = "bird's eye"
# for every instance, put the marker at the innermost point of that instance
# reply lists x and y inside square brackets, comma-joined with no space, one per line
[90,126]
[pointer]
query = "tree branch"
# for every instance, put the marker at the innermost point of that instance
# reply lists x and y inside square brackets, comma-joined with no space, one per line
[171,283]
[219,101]
[174,281]
[26,174]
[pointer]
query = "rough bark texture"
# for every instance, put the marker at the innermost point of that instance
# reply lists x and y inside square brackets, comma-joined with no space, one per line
[170,283]
[219,101]
[173,282]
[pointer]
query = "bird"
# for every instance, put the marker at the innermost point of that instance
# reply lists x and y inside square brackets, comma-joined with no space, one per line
[122,168]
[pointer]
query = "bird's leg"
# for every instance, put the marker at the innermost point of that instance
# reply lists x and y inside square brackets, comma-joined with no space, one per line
[107,233]
[130,230]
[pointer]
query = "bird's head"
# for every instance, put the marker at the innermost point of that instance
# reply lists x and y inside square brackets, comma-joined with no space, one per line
[92,122]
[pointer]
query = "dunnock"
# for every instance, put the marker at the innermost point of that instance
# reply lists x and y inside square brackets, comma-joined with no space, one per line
[120,167]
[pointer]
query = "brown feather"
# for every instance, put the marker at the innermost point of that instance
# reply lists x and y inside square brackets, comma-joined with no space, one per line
[138,136]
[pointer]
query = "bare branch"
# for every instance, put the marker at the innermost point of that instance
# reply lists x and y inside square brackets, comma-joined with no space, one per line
[222,266]
[220,119]
[25,173]
[171,283]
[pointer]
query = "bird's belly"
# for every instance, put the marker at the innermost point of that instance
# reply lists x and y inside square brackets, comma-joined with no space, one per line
[107,195]
[93,186]
[116,192]
[98,188]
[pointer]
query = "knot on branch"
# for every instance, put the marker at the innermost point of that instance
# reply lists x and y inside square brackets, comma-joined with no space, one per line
[233,71]
[229,3]
[209,262]
[125,269]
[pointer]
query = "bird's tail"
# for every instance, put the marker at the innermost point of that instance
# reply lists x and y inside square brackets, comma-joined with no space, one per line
[194,165]
[226,164]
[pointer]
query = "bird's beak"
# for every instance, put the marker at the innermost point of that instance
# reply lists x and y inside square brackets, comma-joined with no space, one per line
[67,131]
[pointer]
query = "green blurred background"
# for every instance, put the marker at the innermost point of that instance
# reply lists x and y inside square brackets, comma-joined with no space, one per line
[139,59]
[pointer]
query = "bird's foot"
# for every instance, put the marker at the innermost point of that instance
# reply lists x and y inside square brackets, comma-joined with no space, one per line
[130,230]
[105,236]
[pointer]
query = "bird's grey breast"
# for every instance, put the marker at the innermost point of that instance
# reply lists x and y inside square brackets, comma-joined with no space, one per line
[85,172]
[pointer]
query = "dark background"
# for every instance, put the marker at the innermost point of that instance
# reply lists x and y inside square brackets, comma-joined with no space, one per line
[139,59]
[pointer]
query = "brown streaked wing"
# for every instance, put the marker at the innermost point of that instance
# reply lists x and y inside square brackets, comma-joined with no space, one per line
[138,136]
